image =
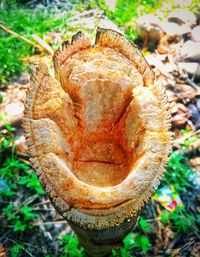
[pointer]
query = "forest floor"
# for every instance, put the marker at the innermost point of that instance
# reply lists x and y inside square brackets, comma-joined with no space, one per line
[169,37]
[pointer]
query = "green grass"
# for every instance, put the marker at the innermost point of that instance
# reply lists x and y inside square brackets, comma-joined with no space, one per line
[15,177]
[125,11]
[25,22]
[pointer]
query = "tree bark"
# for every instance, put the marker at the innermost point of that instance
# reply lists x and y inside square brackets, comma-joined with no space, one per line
[99,243]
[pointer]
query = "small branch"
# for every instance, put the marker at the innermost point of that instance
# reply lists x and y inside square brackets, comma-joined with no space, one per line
[50,223]
[42,209]
[42,203]
[43,44]
[19,36]
[4,235]
[15,242]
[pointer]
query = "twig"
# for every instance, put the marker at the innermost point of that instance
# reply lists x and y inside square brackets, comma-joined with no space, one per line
[4,235]
[19,36]
[42,209]
[43,44]
[50,223]
[25,250]
[42,203]
[196,233]
[25,203]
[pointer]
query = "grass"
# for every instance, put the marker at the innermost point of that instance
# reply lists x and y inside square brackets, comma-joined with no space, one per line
[25,22]
[15,178]
[126,13]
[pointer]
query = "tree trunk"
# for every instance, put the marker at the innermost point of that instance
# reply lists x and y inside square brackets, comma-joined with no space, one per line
[99,243]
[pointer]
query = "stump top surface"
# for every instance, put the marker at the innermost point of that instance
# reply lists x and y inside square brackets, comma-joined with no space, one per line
[97,133]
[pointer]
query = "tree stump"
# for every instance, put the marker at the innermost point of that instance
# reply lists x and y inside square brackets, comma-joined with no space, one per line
[98,135]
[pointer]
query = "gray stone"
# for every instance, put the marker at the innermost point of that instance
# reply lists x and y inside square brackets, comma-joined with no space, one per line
[183,16]
[191,68]
[195,34]
[172,28]
[190,51]
[111,4]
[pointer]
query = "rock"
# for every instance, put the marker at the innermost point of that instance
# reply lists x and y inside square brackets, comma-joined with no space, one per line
[92,23]
[172,28]
[191,68]
[168,44]
[183,16]
[185,92]
[86,22]
[148,28]
[153,60]
[87,19]
[195,34]
[21,147]
[14,111]
[190,51]
[184,29]
[147,20]
[111,4]
[108,24]
[195,115]
[198,103]
[172,97]
[195,162]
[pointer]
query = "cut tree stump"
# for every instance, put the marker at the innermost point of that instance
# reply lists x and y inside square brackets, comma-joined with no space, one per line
[98,135]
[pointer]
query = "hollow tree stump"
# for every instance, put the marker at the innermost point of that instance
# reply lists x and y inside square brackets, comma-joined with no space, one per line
[98,135]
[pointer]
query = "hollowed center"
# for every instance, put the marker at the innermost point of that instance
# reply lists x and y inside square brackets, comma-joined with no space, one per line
[102,163]
[100,82]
